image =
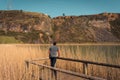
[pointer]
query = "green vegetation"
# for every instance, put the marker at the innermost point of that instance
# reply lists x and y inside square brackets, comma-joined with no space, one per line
[17,37]
[30,37]
[8,39]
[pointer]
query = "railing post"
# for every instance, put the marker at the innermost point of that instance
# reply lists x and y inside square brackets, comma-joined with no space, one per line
[27,64]
[26,69]
[40,73]
[85,68]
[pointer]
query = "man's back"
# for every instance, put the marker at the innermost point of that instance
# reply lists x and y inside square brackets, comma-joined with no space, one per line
[53,54]
[53,51]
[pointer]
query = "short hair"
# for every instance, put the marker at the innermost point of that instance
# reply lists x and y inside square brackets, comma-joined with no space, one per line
[54,43]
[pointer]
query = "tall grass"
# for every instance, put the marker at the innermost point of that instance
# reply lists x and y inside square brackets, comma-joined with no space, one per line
[105,53]
[12,57]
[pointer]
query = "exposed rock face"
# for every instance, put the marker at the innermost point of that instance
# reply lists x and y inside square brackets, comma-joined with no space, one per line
[24,22]
[31,27]
[19,21]
[91,28]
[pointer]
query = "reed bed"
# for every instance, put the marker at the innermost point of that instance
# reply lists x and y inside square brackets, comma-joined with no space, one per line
[12,57]
[105,53]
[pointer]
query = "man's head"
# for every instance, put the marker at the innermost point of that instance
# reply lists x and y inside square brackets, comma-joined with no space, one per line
[54,43]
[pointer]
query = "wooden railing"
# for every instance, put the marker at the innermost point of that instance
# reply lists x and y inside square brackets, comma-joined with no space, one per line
[85,67]
[85,64]
[64,71]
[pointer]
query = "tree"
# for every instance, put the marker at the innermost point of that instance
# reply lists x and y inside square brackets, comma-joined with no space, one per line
[63,14]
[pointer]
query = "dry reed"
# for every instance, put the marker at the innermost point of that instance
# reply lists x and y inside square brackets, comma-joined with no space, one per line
[13,56]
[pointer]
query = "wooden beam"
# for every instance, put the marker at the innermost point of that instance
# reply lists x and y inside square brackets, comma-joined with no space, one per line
[90,62]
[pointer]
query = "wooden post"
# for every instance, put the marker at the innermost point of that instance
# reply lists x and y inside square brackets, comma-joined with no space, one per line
[27,64]
[85,68]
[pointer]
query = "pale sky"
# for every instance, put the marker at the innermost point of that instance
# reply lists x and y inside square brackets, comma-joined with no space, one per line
[58,7]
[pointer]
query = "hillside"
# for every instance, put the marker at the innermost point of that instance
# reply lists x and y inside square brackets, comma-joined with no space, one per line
[103,27]
[32,27]
[29,27]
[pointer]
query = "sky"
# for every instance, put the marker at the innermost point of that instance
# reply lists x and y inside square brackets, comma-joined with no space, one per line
[57,7]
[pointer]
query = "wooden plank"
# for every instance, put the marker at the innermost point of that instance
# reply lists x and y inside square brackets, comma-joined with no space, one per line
[68,72]
[90,62]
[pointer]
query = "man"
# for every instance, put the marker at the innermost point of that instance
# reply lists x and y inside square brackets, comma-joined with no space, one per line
[53,54]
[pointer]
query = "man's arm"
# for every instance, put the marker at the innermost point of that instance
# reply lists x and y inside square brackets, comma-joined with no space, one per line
[58,53]
[49,53]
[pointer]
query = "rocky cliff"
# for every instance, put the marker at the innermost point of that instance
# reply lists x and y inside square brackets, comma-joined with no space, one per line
[103,27]
[32,27]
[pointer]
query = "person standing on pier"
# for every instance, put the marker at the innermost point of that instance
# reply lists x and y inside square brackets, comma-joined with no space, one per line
[53,54]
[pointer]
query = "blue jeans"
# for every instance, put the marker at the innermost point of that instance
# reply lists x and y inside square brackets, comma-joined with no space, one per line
[52,61]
